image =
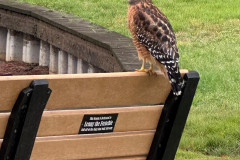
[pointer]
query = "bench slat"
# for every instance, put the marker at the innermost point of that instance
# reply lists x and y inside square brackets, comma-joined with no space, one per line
[93,146]
[87,90]
[67,122]
[127,158]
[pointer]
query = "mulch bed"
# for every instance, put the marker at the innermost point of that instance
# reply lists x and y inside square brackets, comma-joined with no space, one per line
[21,68]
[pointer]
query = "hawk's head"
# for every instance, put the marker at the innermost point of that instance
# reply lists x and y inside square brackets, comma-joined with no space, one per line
[132,2]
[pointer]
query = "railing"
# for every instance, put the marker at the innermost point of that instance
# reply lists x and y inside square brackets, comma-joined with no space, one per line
[17,46]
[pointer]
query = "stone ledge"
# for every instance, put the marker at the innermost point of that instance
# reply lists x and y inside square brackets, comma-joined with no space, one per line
[119,46]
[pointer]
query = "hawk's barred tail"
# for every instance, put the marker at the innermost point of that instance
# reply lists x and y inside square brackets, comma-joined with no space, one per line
[175,78]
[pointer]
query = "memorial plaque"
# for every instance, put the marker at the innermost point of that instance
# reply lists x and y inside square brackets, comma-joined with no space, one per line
[98,123]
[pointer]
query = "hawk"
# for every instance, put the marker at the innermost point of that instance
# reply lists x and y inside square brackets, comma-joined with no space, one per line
[155,41]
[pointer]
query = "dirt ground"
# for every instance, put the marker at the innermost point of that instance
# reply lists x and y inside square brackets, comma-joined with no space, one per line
[21,68]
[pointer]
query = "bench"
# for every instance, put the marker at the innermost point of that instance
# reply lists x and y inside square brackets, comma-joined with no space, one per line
[110,116]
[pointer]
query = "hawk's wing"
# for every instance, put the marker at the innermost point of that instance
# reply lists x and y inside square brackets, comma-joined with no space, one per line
[155,32]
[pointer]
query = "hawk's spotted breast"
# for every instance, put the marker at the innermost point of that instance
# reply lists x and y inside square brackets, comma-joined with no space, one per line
[155,40]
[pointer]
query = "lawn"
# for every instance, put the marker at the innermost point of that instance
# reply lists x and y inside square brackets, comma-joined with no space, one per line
[208,39]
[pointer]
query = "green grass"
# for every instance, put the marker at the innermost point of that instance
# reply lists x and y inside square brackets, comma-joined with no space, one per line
[188,155]
[208,39]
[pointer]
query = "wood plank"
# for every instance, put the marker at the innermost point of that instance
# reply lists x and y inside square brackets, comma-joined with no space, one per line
[67,122]
[126,158]
[119,158]
[87,90]
[93,146]
[3,123]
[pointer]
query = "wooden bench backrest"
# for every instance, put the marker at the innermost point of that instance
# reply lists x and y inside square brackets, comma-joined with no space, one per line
[137,99]
[90,90]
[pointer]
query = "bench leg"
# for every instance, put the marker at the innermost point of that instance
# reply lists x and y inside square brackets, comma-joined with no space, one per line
[24,121]
[172,121]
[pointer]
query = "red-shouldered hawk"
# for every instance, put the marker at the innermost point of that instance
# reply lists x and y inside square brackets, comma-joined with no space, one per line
[155,40]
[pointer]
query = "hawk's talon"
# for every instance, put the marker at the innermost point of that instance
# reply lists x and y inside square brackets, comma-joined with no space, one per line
[151,72]
[141,70]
